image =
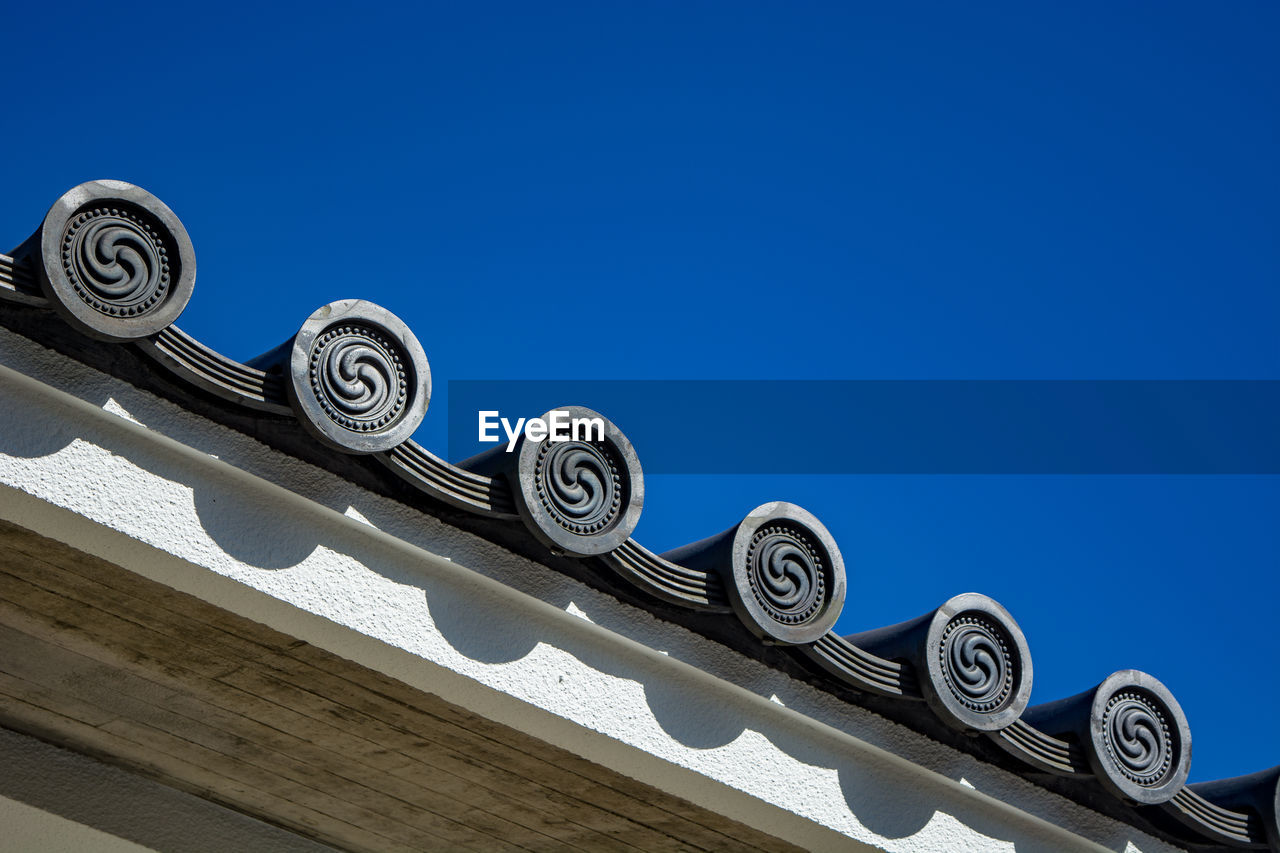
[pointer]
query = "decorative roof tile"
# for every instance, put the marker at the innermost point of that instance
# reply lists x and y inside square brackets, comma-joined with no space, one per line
[116,265]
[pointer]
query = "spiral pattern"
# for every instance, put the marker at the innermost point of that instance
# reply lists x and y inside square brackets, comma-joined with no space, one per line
[116,261]
[786,573]
[1137,737]
[359,378]
[976,663]
[578,484]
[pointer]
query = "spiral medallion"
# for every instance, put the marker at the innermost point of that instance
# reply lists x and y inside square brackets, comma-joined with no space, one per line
[1138,738]
[976,662]
[116,260]
[358,377]
[578,484]
[786,574]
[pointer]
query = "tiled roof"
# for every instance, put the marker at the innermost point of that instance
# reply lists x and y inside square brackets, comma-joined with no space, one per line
[118,267]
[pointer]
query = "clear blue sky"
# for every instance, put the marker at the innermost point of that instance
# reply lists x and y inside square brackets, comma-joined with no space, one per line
[740,190]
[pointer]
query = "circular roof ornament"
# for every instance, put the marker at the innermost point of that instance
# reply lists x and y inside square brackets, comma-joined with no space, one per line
[1140,743]
[115,262]
[582,492]
[786,578]
[359,379]
[978,662]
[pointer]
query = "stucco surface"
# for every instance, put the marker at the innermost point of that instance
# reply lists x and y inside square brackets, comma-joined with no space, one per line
[109,469]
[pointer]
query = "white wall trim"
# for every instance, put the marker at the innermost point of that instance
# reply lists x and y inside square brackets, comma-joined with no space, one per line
[113,471]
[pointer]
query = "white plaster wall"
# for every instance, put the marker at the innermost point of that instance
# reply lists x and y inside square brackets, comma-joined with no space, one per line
[114,471]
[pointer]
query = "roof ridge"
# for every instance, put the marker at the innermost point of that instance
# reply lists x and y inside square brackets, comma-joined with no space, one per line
[357,380]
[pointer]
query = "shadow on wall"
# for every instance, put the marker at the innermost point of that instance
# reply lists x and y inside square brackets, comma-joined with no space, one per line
[479,627]
[256,531]
[246,524]
[48,435]
[873,791]
[265,532]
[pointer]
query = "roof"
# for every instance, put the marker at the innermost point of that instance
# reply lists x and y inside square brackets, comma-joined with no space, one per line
[117,267]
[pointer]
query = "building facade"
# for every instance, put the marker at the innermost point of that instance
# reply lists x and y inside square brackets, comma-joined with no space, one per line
[242,609]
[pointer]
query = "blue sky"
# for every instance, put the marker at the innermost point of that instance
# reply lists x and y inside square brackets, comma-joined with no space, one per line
[757,191]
